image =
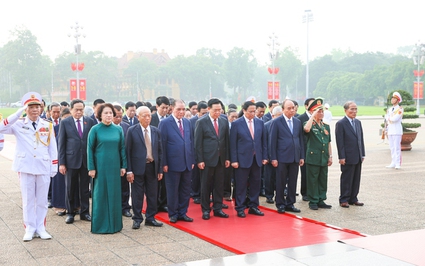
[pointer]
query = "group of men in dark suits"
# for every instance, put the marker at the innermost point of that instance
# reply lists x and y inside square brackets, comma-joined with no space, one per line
[171,158]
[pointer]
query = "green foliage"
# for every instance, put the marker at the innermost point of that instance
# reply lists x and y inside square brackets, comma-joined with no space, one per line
[22,60]
[239,69]
[290,68]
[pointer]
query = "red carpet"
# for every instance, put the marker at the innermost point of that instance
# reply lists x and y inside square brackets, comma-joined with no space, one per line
[258,233]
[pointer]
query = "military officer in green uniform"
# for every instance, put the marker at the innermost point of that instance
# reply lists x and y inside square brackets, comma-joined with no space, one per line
[318,156]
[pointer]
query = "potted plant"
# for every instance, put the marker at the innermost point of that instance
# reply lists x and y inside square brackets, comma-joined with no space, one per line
[409,109]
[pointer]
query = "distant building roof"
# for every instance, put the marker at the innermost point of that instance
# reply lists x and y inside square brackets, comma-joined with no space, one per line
[158,58]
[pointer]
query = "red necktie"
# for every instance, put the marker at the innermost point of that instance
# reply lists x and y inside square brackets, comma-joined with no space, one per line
[56,122]
[216,126]
[181,128]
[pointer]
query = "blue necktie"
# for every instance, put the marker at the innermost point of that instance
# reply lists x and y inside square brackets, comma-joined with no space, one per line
[290,126]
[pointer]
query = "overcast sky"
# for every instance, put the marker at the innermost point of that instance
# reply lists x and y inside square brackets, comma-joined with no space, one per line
[182,27]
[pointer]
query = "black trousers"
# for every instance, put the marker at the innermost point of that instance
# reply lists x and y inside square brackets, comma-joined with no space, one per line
[77,179]
[145,184]
[286,176]
[212,177]
[125,194]
[350,182]
[270,180]
[162,193]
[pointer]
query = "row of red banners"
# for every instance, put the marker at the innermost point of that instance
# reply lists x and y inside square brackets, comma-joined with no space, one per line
[415,90]
[273,92]
[73,89]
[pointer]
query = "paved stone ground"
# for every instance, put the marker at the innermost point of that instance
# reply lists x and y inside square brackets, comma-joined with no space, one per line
[394,202]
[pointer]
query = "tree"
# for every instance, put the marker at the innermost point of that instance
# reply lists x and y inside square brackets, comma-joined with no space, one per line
[290,68]
[22,59]
[239,69]
[140,74]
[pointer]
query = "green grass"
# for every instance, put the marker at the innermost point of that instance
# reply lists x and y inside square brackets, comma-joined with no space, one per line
[5,112]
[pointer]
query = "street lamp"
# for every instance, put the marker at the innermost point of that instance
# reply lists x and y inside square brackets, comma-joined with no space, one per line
[77,49]
[418,55]
[274,52]
[307,17]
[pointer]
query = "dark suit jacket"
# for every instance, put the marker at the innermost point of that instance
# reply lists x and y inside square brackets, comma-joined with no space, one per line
[125,127]
[267,117]
[127,120]
[267,126]
[178,151]
[208,146]
[192,121]
[286,147]
[350,143]
[136,150]
[155,119]
[72,149]
[304,118]
[50,119]
[243,147]
[94,119]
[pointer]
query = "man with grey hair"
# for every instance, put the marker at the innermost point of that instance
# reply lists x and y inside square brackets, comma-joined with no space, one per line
[179,160]
[144,167]
[269,170]
[351,153]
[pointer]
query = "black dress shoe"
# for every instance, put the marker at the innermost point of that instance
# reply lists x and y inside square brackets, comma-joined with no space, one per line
[173,219]
[281,210]
[197,201]
[127,214]
[69,219]
[86,217]
[241,214]
[224,206]
[292,209]
[269,200]
[163,209]
[153,223]
[255,211]
[305,198]
[324,205]
[185,218]
[206,215]
[61,213]
[221,214]
[136,225]
[357,203]
[313,207]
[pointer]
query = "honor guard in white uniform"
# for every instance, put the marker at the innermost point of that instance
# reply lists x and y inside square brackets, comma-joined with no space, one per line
[395,130]
[36,160]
